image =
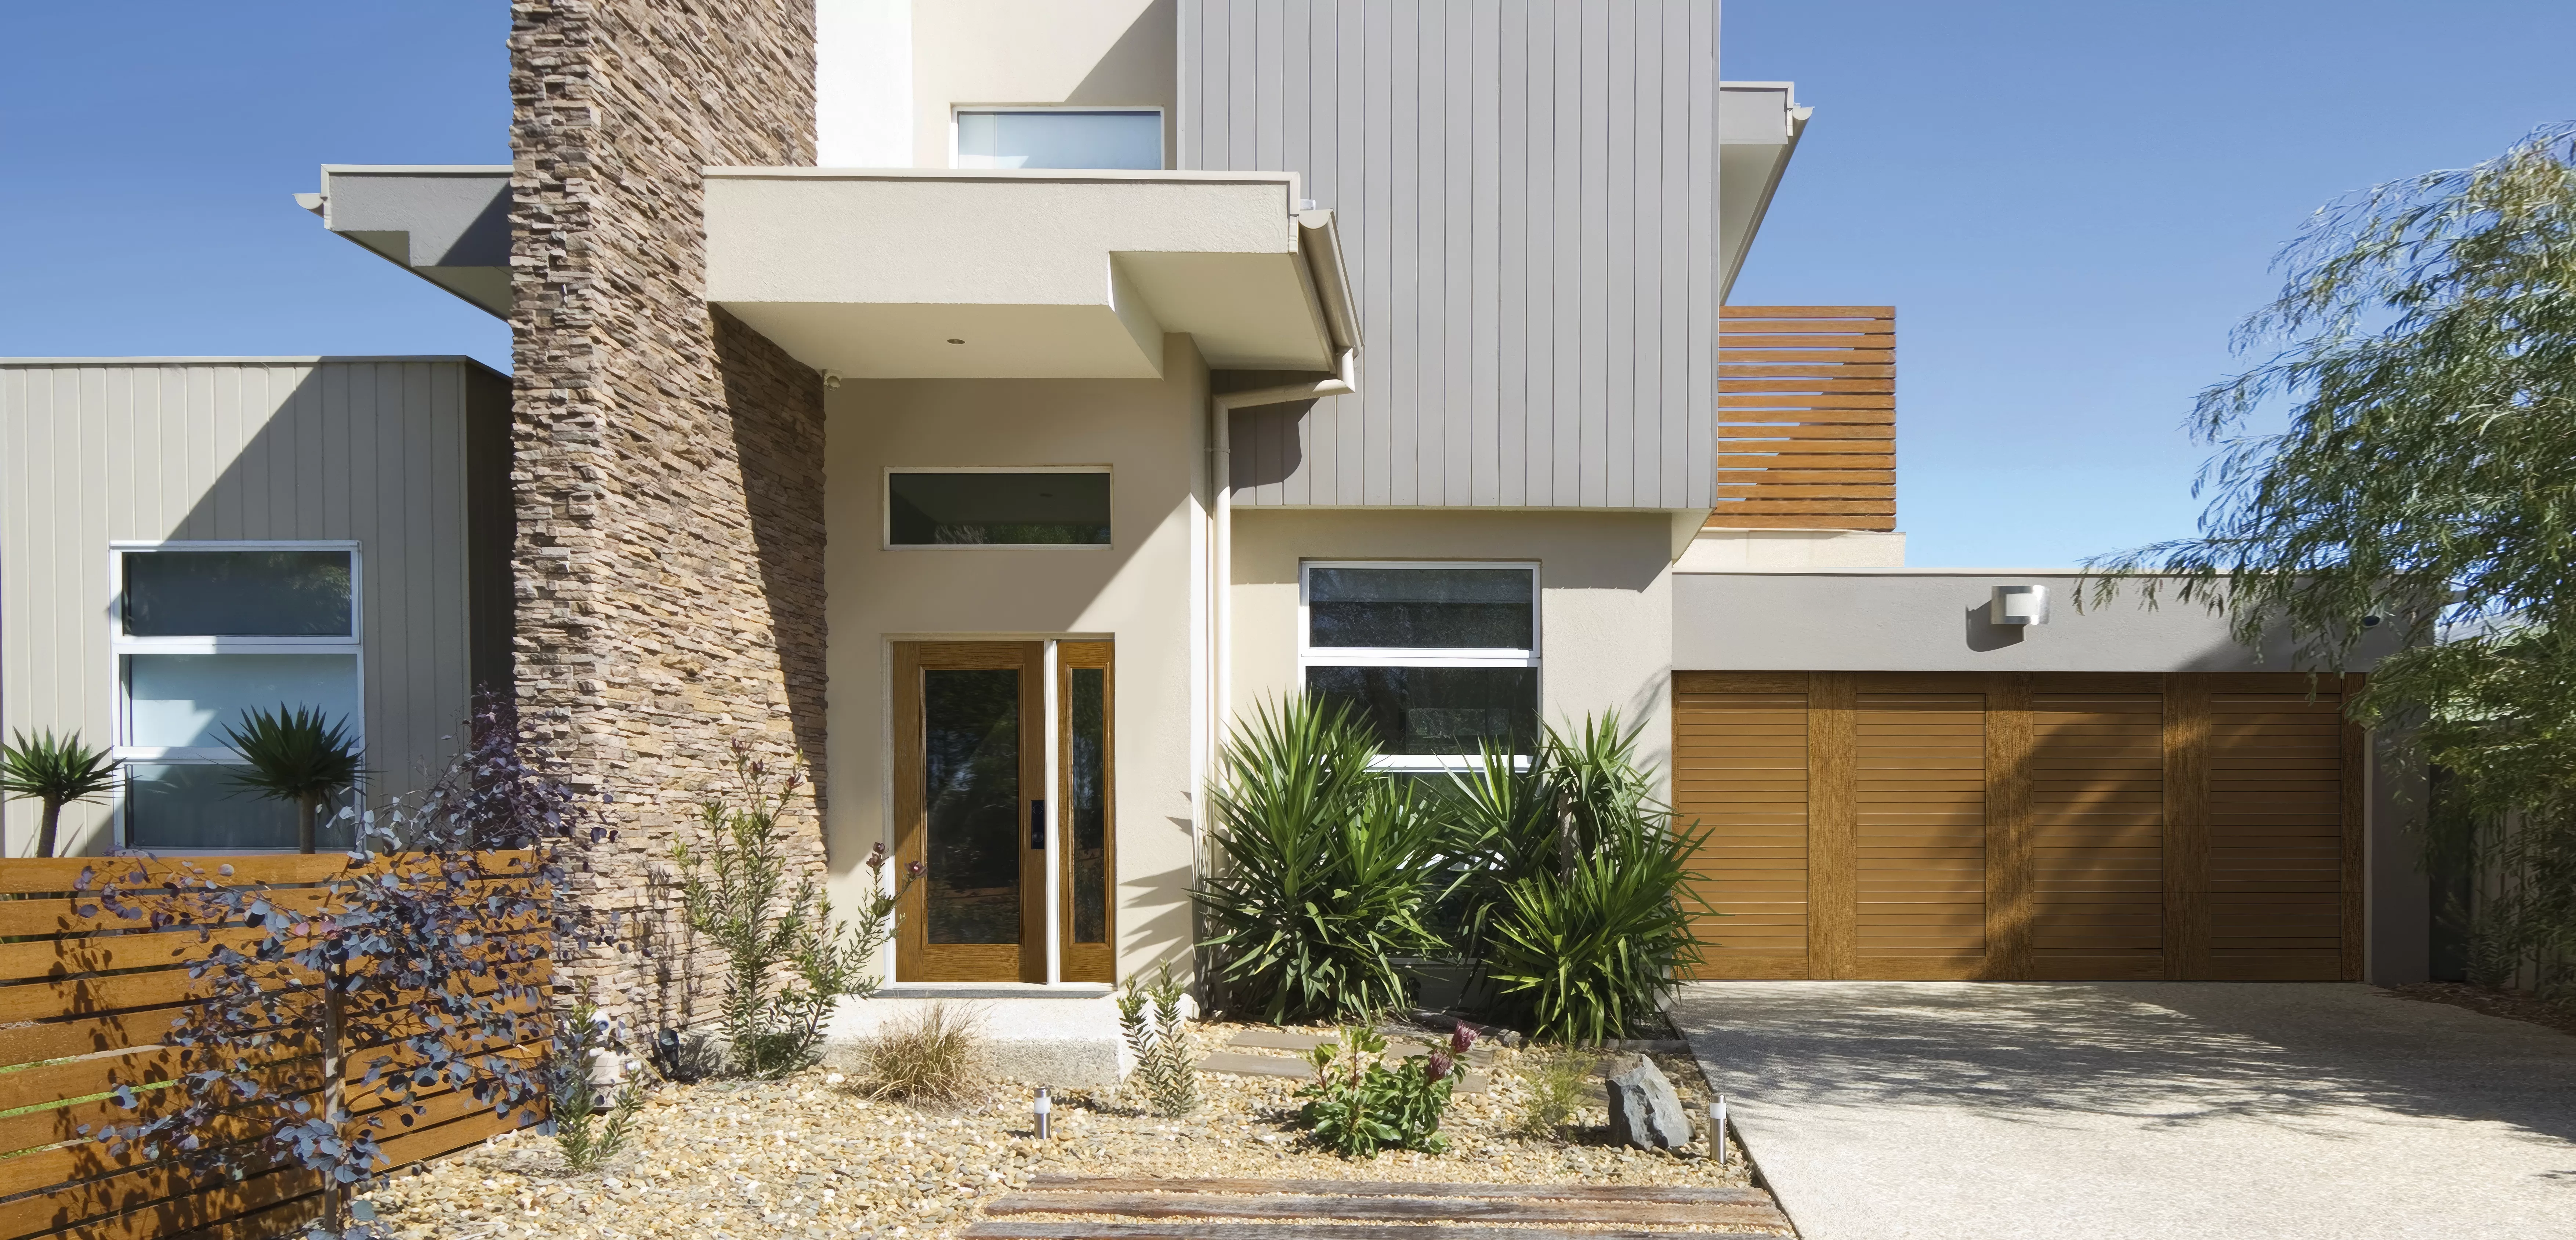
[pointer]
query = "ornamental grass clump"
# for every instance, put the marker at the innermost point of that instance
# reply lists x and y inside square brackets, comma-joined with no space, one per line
[1324,868]
[1358,1106]
[1555,1090]
[933,1054]
[787,960]
[1166,1059]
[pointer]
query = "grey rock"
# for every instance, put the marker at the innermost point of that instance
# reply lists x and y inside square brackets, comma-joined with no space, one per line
[1644,1110]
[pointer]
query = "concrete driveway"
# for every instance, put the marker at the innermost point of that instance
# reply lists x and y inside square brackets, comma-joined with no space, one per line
[1986,1111]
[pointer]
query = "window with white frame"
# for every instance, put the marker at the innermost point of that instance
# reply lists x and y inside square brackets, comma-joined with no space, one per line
[205,632]
[1059,138]
[1440,660]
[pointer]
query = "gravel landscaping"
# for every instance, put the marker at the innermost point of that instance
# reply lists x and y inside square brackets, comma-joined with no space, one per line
[811,1156]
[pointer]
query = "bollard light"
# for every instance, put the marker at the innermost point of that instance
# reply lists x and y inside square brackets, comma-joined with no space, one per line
[1717,1128]
[1045,1108]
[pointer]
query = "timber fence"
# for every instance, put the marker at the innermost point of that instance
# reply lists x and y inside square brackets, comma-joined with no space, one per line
[87,1001]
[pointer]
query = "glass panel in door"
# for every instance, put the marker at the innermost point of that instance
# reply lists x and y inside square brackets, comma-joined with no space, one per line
[1087,820]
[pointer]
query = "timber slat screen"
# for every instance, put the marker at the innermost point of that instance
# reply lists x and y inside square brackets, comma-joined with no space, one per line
[87,1002]
[2069,826]
[1806,418]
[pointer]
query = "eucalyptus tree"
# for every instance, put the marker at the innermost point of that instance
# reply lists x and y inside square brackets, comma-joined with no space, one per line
[2423,347]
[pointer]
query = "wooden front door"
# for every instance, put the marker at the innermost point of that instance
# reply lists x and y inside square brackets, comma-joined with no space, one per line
[1087,823]
[970,784]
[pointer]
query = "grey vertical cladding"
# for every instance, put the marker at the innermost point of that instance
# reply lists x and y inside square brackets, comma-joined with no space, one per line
[1527,193]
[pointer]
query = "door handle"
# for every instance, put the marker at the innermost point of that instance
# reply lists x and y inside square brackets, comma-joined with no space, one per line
[1037,824]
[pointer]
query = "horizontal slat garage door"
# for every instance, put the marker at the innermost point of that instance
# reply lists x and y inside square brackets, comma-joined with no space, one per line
[2068,826]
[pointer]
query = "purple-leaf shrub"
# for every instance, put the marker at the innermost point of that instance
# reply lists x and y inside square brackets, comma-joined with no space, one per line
[423,968]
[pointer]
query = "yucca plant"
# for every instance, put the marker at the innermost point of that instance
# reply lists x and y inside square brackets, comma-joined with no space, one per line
[299,756]
[56,771]
[1325,868]
[1590,954]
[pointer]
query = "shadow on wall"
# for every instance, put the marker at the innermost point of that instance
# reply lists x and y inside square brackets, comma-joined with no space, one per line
[1984,634]
[774,406]
[2169,1054]
[1147,51]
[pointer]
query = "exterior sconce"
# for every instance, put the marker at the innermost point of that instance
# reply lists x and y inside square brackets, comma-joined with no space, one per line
[2018,605]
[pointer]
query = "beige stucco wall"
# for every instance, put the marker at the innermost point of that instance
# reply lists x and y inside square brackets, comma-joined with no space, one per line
[1146,593]
[1605,605]
[1101,52]
[367,450]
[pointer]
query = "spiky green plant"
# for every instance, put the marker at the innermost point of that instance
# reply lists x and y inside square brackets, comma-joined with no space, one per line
[296,755]
[1166,1062]
[55,771]
[1590,953]
[2423,348]
[1324,869]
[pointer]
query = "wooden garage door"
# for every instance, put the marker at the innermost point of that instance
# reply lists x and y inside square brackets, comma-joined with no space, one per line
[2065,826]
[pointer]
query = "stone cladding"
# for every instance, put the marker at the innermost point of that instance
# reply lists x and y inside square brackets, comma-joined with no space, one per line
[667,460]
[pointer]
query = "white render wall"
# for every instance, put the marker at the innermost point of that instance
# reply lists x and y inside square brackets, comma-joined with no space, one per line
[99,451]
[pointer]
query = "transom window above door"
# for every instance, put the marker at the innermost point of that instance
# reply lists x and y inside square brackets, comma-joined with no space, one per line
[1062,506]
[1060,138]
[1440,660]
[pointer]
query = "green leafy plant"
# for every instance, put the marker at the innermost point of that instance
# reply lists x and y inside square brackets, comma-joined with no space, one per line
[583,1038]
[933,1054]
[56,771]
[787,960]
[1358,1105]
[1577,882]
[298,756]
[1555,1090]
[1325,869]
[1166,1060]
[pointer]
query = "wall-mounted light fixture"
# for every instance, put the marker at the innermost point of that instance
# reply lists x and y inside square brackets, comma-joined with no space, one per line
[2018,605]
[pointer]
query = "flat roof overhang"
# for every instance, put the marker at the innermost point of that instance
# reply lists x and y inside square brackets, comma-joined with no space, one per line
[882,273]
[449,224]
[1758,126]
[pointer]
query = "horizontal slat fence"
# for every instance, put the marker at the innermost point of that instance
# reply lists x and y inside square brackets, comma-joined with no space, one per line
[86,1003]
[1806,418]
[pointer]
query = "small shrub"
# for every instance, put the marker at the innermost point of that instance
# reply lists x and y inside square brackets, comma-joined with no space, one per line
[787,961]
[55,771]
[1166,1060]
[1358,1105]
[298,756]
[585,1036]
[933,1054]
[1326,869]
[1556,1090]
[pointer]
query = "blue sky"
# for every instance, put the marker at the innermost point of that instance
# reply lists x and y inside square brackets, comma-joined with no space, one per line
[2069,203]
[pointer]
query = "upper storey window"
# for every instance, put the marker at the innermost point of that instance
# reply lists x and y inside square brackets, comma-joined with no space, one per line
[1059,137]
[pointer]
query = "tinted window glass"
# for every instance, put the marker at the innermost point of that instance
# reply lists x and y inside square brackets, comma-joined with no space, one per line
[1087,803]
[206,807]
[1059,139]
[928,510]
[1453,608]
[970,740]
[1437,710]
[237,594]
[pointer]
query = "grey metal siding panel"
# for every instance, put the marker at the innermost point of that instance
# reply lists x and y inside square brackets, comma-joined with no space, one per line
[92,453]
[1528,192]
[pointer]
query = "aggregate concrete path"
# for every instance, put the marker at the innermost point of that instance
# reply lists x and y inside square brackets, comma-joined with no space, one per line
[2106,1111]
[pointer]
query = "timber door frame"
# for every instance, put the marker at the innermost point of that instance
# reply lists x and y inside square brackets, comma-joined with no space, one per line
[917,959]
[1832,796]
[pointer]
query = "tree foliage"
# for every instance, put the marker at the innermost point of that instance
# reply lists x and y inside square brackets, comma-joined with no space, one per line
[296,755]
[2424,345]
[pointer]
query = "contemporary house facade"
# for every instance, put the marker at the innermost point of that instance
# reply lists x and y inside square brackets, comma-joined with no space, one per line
[988,402]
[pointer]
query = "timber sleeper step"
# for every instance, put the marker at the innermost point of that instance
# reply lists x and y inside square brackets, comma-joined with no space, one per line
[1046,1182]
[1034,1229]
[1302,1207]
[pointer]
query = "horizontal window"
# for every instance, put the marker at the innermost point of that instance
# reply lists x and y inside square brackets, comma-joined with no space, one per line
[997,509]
[237,594]
[1059,138]
[186,701]
[1436,711]
[1420,608]
[178,805]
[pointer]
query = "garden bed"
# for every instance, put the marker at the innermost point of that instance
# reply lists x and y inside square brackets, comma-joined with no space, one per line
[809,1156]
